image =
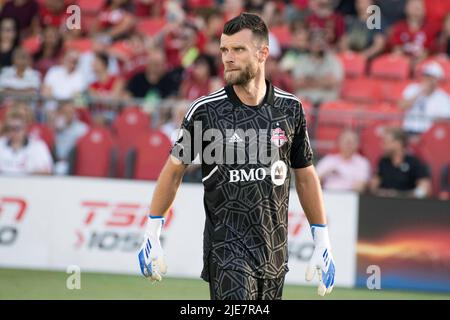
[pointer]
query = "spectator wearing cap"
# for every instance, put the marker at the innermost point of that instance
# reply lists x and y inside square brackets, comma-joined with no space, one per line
[425,102]
[21,154]
[399,173]
[318,75]
[20,78]
[346,170]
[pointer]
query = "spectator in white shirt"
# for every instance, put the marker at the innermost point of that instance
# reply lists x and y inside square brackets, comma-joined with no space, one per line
[346,170]
[20,78]
[68,130]
[425,102]
[19,153]
[63,82]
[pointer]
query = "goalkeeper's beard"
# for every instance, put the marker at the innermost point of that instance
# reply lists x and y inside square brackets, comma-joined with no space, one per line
[243,77]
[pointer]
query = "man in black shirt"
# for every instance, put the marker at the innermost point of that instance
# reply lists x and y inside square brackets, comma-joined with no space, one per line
[155,81]
[398,172]
[246,136]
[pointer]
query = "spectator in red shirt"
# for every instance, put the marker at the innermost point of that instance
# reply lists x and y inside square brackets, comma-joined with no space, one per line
[149,8]
[26,14]
[53,12]
[413,36]
[50,50]
[108,88]
[115,20]
[324,19]
[199,78]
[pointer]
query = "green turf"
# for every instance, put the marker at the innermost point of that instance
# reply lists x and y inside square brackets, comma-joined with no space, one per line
[33,284]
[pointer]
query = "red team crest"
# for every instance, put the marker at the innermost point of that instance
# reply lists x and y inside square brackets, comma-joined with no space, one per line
[278,137]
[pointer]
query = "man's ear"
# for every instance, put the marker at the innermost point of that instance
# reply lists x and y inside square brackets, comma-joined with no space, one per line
[263,53]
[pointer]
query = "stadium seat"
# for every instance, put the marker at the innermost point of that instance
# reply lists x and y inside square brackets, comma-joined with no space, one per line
[94,155]
[371,139]
[434,149]
[354,64]
[391,90]
[90,6]
[360,90]
[150,27]
[283,35]
[43,132]
[390,66]
[131,123]
[31,44]
[146,160]
[81,45]
[333,117]
[444,63]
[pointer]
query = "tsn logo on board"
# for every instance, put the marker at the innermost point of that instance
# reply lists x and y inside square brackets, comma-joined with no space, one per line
[113,226]
[12,214]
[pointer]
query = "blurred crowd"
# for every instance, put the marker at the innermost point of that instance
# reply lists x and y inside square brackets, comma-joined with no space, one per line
[159,55]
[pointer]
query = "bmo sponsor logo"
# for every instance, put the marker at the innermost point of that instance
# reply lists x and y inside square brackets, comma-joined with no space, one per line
[12,214]
[278,173]
[113,226]
[250,175]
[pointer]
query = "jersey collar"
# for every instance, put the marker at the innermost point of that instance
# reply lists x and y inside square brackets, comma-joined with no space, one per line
[268,98]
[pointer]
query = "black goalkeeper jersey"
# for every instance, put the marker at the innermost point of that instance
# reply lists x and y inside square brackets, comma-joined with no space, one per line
[246,195]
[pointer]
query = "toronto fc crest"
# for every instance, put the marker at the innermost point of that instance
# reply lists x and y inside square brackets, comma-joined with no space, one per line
[278,137]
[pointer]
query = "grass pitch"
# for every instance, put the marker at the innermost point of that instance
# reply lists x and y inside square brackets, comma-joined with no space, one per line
[34,284]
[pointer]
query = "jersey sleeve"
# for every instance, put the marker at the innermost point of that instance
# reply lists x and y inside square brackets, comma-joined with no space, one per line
[301,151]
[187,144]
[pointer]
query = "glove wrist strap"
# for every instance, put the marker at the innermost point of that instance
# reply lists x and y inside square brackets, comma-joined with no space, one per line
[320,235]
[154,226]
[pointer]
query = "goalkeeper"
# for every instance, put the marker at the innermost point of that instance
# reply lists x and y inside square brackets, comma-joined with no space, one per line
[245,247]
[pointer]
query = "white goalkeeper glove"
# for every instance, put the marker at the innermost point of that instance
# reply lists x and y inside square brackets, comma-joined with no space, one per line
[322,261]
[151,255]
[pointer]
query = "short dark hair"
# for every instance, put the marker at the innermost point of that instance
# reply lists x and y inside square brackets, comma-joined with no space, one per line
[103,57]
[250,21]
[398,135]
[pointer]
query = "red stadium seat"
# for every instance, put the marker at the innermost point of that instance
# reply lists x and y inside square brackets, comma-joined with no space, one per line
[354,64]
[371,139]
[443,61]
[147,159]
[94,154]
[390,90]
[434,149]
[362,90]
[41,131]
[283,35]
[31,44]
[81,45]
[90,6]
[391,66]
[150,27]
[333,117]
[131,123]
